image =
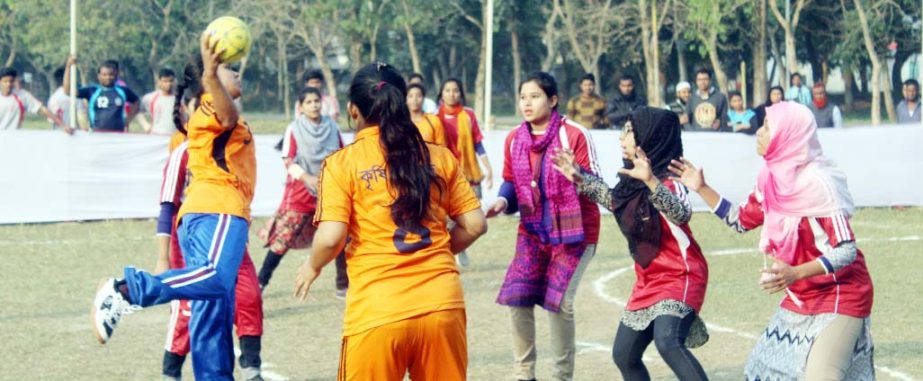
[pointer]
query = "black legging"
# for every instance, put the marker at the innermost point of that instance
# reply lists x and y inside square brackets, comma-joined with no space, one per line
[669,336]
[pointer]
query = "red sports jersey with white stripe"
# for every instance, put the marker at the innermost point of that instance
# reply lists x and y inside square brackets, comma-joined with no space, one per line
[678,272]
[175,176]
[846,291]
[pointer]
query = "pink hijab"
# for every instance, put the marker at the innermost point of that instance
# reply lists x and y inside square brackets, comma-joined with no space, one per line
[797,180]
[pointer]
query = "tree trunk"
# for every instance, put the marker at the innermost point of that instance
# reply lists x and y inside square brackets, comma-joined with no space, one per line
[355,55]
[411,41]
[280,82]
[437,80]
[517,59]
[876,64]
[711,44]
[888,94]
[482,72]
[899,60]
[549,38]
[373,44]
[286,84]
[681,59]
[789,26]
[320,53]
[651,49]
[790,56]
[817,63]
[777,61]
[759,57]
[655,85]
[864,79]
[848,84]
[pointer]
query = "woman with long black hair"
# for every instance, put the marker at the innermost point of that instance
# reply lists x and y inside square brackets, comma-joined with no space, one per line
[393,194]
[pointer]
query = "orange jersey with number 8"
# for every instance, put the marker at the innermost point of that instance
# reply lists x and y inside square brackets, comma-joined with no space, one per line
[393,274]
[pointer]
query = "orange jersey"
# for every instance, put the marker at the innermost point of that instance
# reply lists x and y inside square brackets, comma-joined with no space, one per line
[431,128]
[393,274]
[175,140]
[222,163]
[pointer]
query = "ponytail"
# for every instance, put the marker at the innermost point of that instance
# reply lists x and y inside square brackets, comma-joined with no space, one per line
[178,109]
[380,93]
[192,81]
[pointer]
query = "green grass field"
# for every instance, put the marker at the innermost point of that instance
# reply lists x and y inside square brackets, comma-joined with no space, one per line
[51,272]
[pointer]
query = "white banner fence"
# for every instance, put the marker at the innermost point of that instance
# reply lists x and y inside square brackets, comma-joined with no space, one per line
[47,176]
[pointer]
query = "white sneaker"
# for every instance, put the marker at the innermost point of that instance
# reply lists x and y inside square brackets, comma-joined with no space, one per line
[108,308]
[251,374]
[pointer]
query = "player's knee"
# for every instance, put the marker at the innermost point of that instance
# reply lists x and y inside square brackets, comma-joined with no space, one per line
[668,343]
[624,358]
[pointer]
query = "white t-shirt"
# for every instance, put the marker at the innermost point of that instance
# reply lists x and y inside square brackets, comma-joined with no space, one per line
[160,108]
[59,104]
[429,106]
[14,106]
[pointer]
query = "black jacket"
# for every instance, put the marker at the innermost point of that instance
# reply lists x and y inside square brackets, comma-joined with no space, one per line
[620,107]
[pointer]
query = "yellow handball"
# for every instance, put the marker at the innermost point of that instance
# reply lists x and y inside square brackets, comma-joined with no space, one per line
[233,37]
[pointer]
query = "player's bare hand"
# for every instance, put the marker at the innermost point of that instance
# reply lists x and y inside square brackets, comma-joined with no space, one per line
[498,207]
[489,181]
[210,54]
[564,163]
[71,59]
[641,168]
[781,275]
[688,174]
[304,279]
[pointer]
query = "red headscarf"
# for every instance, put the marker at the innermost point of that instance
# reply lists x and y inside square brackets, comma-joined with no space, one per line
[820,102]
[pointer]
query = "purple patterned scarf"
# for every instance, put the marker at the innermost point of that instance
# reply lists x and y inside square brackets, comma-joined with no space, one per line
[560,220]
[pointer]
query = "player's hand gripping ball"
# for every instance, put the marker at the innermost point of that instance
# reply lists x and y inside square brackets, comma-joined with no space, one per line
[232,37]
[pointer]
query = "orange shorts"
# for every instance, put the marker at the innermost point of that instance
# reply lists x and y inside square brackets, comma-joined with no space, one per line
[430,347]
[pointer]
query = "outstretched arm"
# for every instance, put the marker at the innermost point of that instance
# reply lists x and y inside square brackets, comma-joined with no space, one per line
[221,101]
[329,241]
[741,218]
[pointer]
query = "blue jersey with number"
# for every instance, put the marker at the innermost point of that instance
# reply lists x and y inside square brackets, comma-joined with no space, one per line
[106,106]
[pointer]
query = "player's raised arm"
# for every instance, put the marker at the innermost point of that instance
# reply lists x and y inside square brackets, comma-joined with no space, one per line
[224,106]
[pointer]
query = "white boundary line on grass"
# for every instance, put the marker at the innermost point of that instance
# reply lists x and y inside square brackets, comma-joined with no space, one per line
[599,286]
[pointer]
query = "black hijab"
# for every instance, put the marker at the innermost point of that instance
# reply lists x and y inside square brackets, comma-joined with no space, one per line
[658,133]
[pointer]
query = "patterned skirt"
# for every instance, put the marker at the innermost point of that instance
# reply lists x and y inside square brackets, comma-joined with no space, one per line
[639,320]
[288,229]
[781,353]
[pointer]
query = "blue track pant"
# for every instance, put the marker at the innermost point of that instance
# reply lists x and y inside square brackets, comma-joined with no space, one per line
[213,246]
